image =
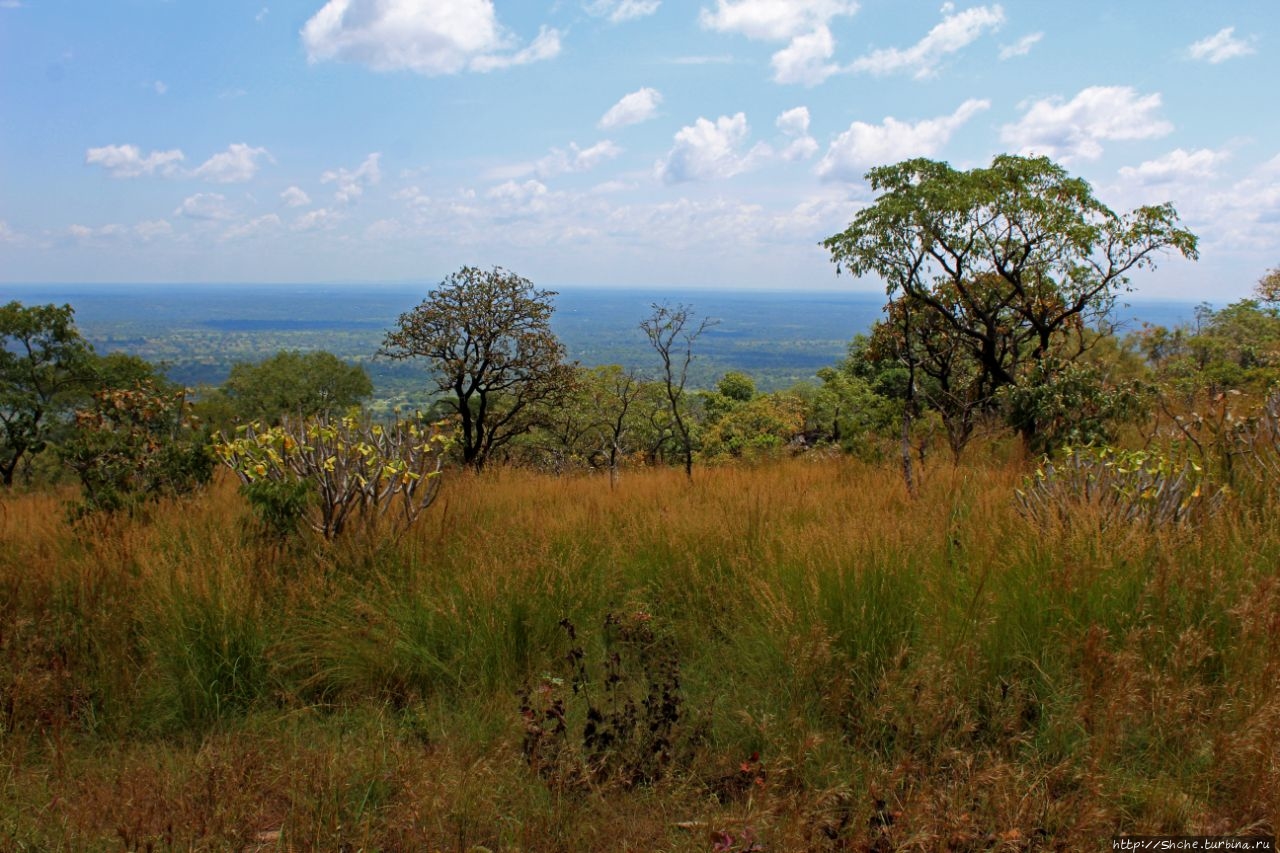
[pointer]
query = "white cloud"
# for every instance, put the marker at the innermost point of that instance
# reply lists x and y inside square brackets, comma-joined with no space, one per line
[706,150]
[957,30]
[546,45]
[127,161]
[865,145]
[10,4]
[295,197]
[350,183]
[317,220]
[150,229]
[262,15]
[519,199]
[205,206]
[774,20]
[8,235]
[618,11]
[253,227]
[1021,47]
[576,159]
[236,165]
[160,87]
[440,37]
[805,59]
[804,24]
[1244,216]
[1076,128]
[1178,164]
[794,123]
[113,231]
[1221,46]
[640,105]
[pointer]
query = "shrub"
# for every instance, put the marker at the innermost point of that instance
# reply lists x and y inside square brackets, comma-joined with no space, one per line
[133,446]
[1121,486]
[356,470]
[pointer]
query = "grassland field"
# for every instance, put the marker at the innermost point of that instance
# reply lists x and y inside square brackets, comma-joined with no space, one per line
[792,655]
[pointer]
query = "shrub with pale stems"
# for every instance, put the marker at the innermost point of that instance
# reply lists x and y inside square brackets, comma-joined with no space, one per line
[335,472]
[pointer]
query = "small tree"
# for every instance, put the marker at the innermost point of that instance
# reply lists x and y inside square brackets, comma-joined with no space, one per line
[297,384]
[672,335]
[44,366]
[487,336]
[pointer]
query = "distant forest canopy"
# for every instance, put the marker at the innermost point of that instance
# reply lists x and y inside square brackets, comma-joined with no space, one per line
[198,332]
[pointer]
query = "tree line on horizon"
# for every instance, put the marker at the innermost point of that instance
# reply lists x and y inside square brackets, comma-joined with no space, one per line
[1001,282]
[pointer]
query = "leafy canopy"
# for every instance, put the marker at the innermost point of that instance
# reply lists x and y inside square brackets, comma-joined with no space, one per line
[487,336]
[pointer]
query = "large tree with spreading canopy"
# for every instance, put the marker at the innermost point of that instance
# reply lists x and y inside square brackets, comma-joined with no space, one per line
[1014,260]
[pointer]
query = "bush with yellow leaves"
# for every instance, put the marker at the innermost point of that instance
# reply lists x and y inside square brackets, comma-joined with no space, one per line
[335,472]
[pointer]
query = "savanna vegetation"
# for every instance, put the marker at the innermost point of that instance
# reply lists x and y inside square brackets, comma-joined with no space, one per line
[1001,579]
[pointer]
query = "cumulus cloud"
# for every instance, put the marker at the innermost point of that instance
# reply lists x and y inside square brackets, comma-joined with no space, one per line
[1178,164]
[128,161]
[441,37]
[1021,47]
[806,60]
[640,105]
[1221,46]
[794,123]
[253,227]
[150,229]
[618,11]
[295,197]
[8,235]
[351,183]
[865,145]
[205,206]
[1077,128]
[576,159]
[321,219]
[957,30]
[773,20]
[236,165]
[804,24]
[145,231]
[706,150]
[519,199]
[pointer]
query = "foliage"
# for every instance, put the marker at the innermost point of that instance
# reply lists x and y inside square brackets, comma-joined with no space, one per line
[1116,486]
[604,420]
[133,446]
[1072,404]
[1014,259]
[44,366]
[297,384]
[745,428]
[671,333]
[487,336]
[358,471]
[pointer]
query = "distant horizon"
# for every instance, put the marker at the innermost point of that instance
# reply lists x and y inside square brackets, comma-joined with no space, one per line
[620,288]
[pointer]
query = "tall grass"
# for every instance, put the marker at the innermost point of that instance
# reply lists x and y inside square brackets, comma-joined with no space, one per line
[858,669]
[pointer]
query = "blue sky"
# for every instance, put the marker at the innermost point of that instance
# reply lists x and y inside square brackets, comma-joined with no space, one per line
[658,143]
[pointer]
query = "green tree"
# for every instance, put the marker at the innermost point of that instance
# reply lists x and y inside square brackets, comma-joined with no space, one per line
[1016,259]
[297,384]
[44,366]
[487,337]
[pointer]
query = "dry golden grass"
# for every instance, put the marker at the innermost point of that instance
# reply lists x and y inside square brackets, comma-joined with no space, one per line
[858,670]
